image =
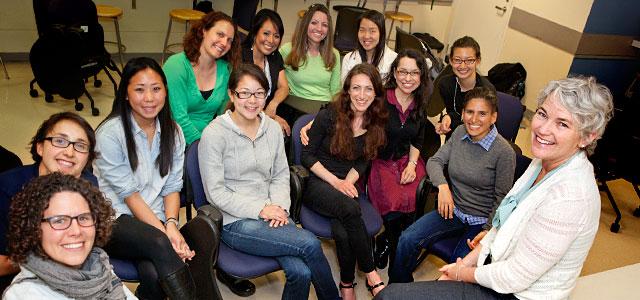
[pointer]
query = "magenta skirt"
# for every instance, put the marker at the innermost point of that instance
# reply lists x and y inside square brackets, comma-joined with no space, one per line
[384,188]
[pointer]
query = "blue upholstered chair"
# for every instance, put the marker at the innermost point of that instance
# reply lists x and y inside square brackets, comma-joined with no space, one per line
[510,113]
[235,263]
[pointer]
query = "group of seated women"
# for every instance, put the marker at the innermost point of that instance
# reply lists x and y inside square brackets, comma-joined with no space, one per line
[513,242]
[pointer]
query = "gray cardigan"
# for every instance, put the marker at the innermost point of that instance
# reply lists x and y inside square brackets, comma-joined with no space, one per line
[479,179]
[241,176]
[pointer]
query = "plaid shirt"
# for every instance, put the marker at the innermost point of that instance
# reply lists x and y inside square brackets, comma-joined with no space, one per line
[485,142]
[469,219]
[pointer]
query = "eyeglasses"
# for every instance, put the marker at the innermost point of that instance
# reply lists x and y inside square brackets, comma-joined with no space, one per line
[246,95]
[61,142]
[404,73]
[63,222]
[468,61]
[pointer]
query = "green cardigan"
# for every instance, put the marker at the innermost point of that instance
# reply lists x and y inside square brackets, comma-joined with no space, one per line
[192,112]
[312,80]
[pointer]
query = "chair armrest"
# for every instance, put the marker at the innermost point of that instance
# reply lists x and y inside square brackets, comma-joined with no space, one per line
[203,235]
[423,201]
[298,178]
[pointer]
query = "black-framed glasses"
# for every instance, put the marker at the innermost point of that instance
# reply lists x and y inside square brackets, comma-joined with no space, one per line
[468,61]
[61,142]
[62,222]
[413,74]
[247,95]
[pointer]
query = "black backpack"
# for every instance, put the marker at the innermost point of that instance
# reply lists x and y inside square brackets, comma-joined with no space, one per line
[509,78]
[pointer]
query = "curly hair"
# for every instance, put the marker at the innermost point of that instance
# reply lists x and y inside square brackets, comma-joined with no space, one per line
[28,206]
[47,126]
[590,104]
[299,41]
[375,118]
[193,39]
[423,91]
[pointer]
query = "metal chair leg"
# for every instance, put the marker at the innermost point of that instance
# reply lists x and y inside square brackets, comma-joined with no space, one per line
[120,47]
[390,29]
[6,74]
[166,41]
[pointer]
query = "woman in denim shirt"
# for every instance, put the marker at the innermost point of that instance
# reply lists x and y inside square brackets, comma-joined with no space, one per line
[139,168]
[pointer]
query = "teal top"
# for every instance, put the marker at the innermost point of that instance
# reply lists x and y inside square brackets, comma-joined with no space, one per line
[192,112]
[510,202]
[312,80]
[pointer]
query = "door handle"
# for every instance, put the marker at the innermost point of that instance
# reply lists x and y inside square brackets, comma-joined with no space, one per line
[503,9]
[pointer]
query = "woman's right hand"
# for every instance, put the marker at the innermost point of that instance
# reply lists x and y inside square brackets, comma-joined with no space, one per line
[304,138]
[444,126]
[346,187]
[445,201]
[275,215]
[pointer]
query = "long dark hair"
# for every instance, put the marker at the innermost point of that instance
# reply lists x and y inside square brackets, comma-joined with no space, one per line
[258,20]
[122,108]
[375,118]
[422,92]
[377,18]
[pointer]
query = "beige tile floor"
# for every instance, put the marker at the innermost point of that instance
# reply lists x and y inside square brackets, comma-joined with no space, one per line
[20,115]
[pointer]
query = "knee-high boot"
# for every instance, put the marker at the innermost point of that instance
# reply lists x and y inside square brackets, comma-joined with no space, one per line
[179,284]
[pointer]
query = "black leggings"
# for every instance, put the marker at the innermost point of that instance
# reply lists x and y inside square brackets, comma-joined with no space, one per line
[349,232]
[151,250]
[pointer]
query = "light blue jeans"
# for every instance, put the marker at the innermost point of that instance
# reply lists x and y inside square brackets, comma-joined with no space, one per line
[297,250]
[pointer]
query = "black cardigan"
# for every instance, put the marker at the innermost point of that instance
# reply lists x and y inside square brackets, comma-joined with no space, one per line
[276,64]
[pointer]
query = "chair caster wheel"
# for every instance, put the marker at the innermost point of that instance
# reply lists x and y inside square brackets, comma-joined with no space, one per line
[97,83]
[615,227]
[95,112]
[33,93]
[79,106]
[48,98]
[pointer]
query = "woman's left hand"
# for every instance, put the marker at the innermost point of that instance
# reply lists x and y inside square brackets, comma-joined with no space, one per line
[283,124]
[452,271]
[408,174]
[473,243]
[178,243]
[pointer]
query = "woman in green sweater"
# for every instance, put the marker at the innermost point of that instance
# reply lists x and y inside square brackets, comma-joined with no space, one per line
[312,65]
[197,78]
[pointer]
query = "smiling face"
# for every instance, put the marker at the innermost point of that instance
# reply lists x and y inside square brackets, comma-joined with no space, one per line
[318,28]
[361,93]
[407,75]
[368,35]
[460,68]
[216,41]
[70,246]
[268,39]
[554,134]
[65,160]
[146,94]
[478,117]
[247,109]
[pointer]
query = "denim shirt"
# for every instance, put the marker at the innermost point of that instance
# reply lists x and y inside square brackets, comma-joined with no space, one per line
[116,178]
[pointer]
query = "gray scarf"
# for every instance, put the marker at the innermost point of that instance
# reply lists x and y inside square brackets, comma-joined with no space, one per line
[94,280]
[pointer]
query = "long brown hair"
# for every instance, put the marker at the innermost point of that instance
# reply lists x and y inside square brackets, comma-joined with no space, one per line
[298,55]
[193,38]
[375,118]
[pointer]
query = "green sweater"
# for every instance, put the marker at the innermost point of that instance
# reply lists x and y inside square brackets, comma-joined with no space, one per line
[312,80]
[192,112]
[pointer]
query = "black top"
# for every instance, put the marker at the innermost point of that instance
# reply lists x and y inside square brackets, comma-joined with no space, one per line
[276,64]
[319,147]
[401,136]
[451,94]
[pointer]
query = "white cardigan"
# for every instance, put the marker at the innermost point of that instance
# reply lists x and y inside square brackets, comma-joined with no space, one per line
[539,251]
[353,58]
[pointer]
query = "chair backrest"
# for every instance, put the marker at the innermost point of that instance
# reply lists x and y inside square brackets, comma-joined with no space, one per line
[296,144]
[522,163]
[510,113]
[345,38]
[405,40]
[193,172]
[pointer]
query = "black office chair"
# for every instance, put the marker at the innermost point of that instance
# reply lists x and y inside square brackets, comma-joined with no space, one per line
[345,38]
[405,40]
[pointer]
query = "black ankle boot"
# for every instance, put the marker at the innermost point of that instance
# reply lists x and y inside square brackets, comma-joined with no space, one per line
[240,287]
[381,254]
[179,285]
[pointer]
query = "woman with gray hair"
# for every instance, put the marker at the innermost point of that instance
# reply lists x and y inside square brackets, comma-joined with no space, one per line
[543,229]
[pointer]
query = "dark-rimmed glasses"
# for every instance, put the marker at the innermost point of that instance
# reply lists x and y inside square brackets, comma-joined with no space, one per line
[61,142]
[62,222]
[247,95]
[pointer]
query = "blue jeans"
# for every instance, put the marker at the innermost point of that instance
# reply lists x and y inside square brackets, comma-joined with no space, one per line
[297,250]
[426,231]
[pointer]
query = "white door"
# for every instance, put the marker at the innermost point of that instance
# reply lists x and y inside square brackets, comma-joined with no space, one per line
[484,20]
